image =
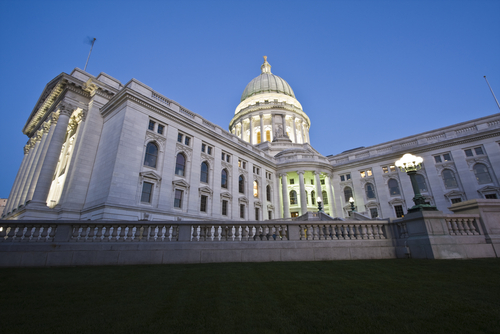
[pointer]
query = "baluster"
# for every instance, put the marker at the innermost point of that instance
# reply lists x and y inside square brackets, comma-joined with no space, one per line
[245,232]
[91,233]
[370,231]
[465,223]
[356,231]
[175,232]
[216,233]
[351,232]
[145,233]
[162,233]
[381,230]
[460,226]
[121,236]
[74,235]
[472,226]
[309,232]
[19,234]
[203,232]
[152,232]
[375,232]
[36,233]
[114,234]
[455,226]
[345,232]
[223,233]
[98,235]
[284,232]
[3,232]
[52,233]
[195,233]
[137,233]
[27,234]
[230,233]
[333,231]
[11,234]
[107,233]
[302,232]
[237,233]
[365,232]
[83,233]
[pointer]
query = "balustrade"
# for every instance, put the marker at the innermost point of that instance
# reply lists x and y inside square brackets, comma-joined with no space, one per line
[462,226]
[123,232]
[344,231]
[29,232]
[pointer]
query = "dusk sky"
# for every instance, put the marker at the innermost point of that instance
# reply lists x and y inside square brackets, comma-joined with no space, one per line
[365,72]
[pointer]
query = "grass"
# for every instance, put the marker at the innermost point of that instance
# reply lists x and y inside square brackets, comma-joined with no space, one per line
[376,296]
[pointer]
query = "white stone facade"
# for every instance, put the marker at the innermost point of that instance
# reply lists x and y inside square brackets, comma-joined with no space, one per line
[102,150]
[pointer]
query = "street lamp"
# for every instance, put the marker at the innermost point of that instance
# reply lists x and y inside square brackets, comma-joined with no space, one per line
[410,164]
[351,200]
[319,200]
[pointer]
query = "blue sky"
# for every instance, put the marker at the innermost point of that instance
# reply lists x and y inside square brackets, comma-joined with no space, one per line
[365,72]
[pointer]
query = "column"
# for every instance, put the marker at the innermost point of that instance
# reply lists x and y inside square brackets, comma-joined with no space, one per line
[40,138]
[283,120]
[24,176]
[307,135]
[262,134]
[52,157]
[303,202]
[318,186]
[273,125]
[250,126]
[303,132]
[241,130]
[286,200]
[329,190]
[294,131]
[15,186]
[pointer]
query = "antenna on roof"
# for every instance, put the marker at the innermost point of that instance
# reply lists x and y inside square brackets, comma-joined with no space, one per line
[92,43]
[492,92]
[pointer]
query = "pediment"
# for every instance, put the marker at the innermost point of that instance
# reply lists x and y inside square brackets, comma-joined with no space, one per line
[226,195]
[180,183]
[205,190]
[243,200]
[150,175]
[396,201]
[488,188]
[454,193]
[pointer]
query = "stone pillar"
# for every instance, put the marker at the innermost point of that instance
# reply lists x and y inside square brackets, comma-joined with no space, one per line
[48,132]
[17,181]
[262,134]
[303,201]
[283,121]
[294,131]
[241,130]
[24,178]
[250,126]
[273,125]
[318,185]
[328,182]
[52,157]
[41,136]
[286,200]
[303,133]
[307,135]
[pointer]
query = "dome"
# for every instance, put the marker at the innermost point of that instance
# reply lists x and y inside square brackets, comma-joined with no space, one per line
[267,82]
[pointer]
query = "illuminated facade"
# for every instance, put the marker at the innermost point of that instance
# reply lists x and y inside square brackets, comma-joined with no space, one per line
[102,150]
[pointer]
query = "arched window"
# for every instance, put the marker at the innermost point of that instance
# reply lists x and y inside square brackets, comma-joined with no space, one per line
[151,155]
[482,174]
[449,179]
[293,197]
[325,197]
[370,191]
[313,197]
[393,187]
[255,189]
[347,194]
[268,135]
[223,179]
[204,172]
[268,193]
[421,183]
[241,184]
[180,164]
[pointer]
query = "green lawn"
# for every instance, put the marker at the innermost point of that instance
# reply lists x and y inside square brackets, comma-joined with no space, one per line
[376,296]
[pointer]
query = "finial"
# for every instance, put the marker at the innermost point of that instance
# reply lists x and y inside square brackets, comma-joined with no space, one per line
[266,67]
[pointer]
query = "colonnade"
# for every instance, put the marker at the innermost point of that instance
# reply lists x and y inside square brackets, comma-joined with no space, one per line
[300,132]
[319,188]
[41,155]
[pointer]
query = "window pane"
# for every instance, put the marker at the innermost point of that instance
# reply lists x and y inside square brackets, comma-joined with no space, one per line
[209,150]
[204,172]
[342,178]
[147,189]
[203,147]
[468,153]
[369,172]
[224,179]
[241,184]
[151,125]
[268,192]
[393,187]
[456,200]
[385,169]
[347,193]
[242,210]
[399,210]
[257,215]
[478,150]
[325,197]
[180,164]
[224,208]
[446,157]
[370,191]
[437,159]
[392,168]
[313,197]
[203,203]
[490,196]
[348,176]
[151,155]
[482,174]
[449,179]
[363,174]
[293,197]
[255,189]
[374,213]
[179,137]
[187,140]
[160,129]
[178,198]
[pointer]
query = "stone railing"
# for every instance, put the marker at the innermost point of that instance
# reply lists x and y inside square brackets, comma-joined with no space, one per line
[27,232]
[463,225]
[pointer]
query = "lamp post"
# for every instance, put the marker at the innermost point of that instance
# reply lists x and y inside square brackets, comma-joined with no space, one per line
[320,207]
[351,200]
[410,164]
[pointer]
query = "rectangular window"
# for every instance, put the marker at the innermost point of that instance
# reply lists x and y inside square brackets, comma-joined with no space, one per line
[468,153]
[257,214]
[322,181]
[209,150]
[392,168]
[224,207]
[187,140]
[203,147]
[151,125]
[456,200]
[179,137]
[447,157]
[491,196]
[292,181]
[223,156]
[348,177]
[312,181]
[147,190]
[363,174]
[228,158]
[478,150]
[399,210]
[203,203]
[160,129]
[437,159]
[342,178]
[178,198]
[385,169]
[269,215]
[244,165]
[242,210]
[374,213]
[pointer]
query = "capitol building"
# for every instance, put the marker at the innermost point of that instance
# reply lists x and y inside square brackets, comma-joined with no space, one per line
[99,149]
